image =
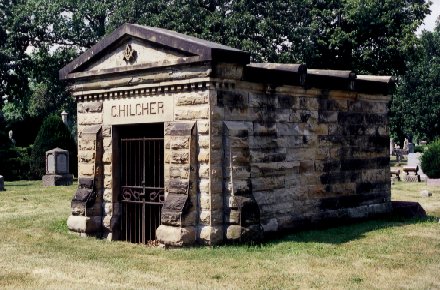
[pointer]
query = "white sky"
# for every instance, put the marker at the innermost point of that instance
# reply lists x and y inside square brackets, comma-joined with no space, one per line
[429,22]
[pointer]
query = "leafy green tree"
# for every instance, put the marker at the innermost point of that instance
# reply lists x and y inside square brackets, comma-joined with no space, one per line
[38,37]
[367,36]
[415,107]
[53,133]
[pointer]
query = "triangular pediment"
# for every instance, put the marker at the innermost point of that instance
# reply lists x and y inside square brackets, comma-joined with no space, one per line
[134,47]
[136,52]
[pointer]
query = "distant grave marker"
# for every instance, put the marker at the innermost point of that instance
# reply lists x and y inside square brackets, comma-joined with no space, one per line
[414,161]
[57,168]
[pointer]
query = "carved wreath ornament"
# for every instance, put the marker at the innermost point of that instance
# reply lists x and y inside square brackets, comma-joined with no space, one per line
[129,53]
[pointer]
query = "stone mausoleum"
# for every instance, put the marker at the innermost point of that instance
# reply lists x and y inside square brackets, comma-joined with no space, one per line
[187,142]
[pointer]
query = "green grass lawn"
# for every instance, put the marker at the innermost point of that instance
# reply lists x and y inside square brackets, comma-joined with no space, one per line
[37,252]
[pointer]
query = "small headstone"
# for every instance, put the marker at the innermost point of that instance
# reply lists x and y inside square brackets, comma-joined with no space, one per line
[11,137]
[411,148]
[2,183]
[414,160]
[57,168]
[405,145]
[425,193]
[392,147]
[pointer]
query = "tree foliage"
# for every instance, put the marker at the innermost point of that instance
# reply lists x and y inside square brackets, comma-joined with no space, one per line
[415,108]
[38,37]
[53,133]
[430,160]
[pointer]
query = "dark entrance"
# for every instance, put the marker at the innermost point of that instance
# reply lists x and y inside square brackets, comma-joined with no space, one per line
[142,181]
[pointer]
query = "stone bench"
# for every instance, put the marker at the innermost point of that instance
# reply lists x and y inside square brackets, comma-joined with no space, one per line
[411,173]
[395,174]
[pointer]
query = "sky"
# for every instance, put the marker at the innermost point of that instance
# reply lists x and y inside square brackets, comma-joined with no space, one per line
[429,22]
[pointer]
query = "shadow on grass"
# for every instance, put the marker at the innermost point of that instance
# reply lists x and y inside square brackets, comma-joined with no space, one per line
[19,183]
[347,232]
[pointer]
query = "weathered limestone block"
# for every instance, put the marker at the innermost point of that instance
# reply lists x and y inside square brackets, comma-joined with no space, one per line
[86,156]
[245,114]
[107,143]
[233,232]
[268,156]
[108,195]
[240,172]
[211,235]
[106,131]
[328,116]
[267,183]
[85,145]
[176,171]
[270,225]
[333,104]
[204,171]
[237,233]
[192,113]
[203,127]
[262,100]
[238,129]
[232,217]
[237,186]
[205,217]
[107,157]
[205,201]
[309,103]
[84,224]
[190,218]
[89,107]
[90,119]
[192,99]
[79,208]
[108,169]
[203,156]
[110,222]
[237,157]
[176,157]
[86,169]
[216,156]
[108,181]
[176,236]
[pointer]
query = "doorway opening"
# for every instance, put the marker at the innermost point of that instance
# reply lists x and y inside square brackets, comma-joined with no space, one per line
[141,181]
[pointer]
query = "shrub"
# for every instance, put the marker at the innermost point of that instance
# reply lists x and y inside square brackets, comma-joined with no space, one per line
[15,163]
[53,133]
[430,160]
[419,149]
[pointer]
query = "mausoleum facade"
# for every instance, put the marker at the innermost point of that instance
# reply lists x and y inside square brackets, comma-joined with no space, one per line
[187,142]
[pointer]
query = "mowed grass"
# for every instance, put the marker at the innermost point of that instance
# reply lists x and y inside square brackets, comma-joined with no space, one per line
[37,252]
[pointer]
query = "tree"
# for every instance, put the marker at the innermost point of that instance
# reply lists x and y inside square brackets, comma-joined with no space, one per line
[415,107]
[53,133]
[367,36]
[38,37]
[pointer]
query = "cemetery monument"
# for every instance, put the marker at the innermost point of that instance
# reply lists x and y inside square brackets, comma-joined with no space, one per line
[189,142]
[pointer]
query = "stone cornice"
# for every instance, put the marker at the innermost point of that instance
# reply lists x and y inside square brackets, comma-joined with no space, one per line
[155,89]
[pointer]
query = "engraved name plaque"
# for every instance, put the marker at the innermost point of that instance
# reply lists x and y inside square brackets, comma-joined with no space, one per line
[138,110]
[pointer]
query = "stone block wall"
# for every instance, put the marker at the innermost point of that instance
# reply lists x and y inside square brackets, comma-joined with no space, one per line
[304,156]
[94,145]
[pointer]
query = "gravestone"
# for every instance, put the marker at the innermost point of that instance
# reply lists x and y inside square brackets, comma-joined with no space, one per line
[414,160]
[2,183]
[57,168]
[392,147]
[411,147]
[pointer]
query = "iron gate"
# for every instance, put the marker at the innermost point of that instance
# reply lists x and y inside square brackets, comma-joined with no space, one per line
[142,188]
